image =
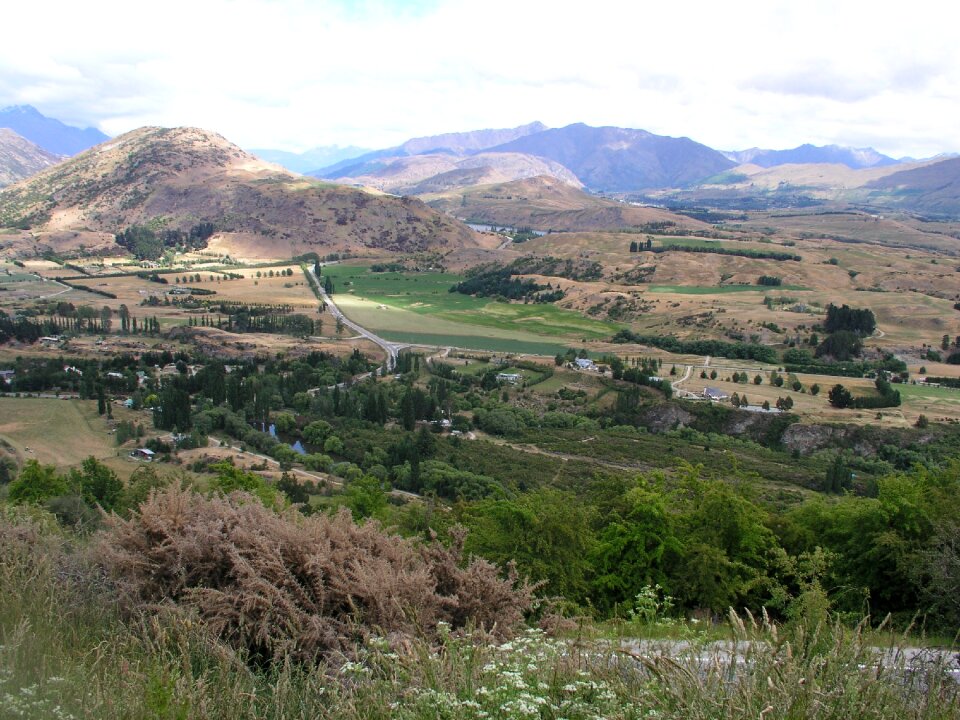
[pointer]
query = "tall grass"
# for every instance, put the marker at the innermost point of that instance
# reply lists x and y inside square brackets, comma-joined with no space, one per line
[65,652]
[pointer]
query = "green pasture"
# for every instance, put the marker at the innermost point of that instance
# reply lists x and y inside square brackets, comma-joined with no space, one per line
[418,308]
[928,392]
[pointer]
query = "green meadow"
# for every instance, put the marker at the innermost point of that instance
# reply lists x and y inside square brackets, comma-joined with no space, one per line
[419,308]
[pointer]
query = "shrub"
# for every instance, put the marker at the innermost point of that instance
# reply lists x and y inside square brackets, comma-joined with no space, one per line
[277,585]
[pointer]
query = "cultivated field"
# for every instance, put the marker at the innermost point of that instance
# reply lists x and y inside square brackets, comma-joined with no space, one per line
[418,308]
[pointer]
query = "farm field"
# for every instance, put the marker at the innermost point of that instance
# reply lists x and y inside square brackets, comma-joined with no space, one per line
[934,402]
[418,307]
[57,432]
[135,292]
[912,293]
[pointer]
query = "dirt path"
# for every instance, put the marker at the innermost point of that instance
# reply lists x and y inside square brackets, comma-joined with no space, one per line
[566,457]
[686,376]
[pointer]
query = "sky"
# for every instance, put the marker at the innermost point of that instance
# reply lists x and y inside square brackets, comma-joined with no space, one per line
[295,74]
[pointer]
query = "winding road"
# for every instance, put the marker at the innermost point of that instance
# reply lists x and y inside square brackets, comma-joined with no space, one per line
[392,349]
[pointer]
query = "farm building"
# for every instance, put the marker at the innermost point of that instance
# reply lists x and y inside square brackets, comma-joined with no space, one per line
[512,378]
[715,394]
[142,454]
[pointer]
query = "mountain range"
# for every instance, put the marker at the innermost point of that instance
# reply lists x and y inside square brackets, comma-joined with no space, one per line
[855,158]
[459,143]
[602,159]
[612,160]
[52,135]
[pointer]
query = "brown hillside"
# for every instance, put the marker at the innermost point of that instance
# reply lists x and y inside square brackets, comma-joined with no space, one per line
[20,158]
[545,203]
[830,178]
[175,178]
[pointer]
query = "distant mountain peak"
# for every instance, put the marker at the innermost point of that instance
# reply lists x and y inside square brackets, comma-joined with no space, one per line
[50,134]
[622,159]
[457,143]
[470,141]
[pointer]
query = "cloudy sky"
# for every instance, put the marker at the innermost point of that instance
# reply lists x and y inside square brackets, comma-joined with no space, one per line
[294,74]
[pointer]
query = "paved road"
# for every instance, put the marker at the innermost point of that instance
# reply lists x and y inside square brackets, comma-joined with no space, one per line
[392,349]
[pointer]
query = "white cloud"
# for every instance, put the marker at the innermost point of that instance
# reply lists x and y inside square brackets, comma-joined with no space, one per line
[298,73]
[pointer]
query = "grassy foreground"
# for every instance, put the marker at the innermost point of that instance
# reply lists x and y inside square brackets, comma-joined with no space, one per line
[65,652]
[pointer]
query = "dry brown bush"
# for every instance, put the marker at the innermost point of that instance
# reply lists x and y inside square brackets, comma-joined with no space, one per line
[283,585]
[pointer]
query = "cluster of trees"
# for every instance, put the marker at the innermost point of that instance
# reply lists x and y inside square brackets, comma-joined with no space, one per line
[286,324]
[799,360]
[846,328]
[710,545]
[85,319]
[500,282]
[492,280]
[582,270]
[770,280]
[721,250]
[886,396]
[644,371]
[145,244]
[944,381]
[716,348]
[385,267]
[637,246]
[847,319]
[75,497]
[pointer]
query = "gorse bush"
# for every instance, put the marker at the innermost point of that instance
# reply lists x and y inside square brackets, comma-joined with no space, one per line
[279,585]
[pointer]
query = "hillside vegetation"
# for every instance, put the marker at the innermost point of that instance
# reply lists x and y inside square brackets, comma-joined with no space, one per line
[20,158]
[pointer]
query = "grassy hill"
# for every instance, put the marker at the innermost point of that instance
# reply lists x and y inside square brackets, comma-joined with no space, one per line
[544,203]
[171,179]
